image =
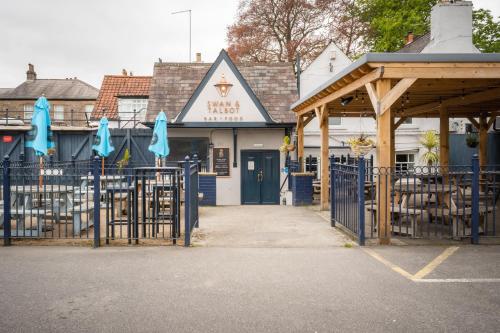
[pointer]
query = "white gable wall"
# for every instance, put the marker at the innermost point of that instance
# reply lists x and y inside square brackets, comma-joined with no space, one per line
[237,106]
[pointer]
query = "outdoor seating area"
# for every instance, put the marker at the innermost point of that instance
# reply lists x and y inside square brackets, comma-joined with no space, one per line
[63,200]
[425,202]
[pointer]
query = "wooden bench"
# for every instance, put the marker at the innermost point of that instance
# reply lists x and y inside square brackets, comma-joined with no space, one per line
[462,214]
[33,231]
[76,213]
[402,214]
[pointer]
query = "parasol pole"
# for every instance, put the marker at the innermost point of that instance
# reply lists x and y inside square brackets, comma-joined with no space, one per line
[40,178]
[102,166]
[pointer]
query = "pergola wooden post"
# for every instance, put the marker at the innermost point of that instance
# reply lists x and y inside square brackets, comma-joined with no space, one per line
[385,146]
[322,114]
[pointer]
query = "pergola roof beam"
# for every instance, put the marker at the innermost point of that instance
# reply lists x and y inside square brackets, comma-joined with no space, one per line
[479,97]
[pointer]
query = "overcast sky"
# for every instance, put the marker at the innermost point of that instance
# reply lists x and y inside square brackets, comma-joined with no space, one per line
[91,38]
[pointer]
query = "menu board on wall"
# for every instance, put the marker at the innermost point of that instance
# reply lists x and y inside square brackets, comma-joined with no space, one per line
[221,162]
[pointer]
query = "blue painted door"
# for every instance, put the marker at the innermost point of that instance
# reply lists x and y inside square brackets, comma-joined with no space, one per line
[260,177]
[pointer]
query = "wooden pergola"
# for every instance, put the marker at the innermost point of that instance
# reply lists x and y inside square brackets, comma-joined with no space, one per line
[391,87]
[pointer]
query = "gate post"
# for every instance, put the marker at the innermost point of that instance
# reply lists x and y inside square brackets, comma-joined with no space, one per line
[97,201]
[332,191]
[187,203]
[6,201]
[475,200]
[361,200]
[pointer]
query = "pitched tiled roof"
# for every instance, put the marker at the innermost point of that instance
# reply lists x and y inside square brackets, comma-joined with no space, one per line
[59,89]
[418,44]
[114,86]
[173,84]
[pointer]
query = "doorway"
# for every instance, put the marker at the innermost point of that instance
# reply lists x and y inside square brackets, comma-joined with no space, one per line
[260,177]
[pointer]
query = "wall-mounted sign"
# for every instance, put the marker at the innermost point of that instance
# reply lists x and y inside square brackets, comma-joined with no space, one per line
[7,138]
[221,161]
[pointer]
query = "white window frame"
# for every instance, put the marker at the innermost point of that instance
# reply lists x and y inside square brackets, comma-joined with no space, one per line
[127,105]
[335,125]
[88,110]
[58,112]
[28,112]
[410,161]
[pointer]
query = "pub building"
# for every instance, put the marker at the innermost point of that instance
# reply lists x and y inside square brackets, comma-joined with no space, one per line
[233,116]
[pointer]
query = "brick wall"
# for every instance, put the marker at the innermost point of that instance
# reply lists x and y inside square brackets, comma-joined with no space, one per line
[208,186]
[302,190]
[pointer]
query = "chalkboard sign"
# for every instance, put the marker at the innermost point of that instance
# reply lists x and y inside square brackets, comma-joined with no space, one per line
[221,161]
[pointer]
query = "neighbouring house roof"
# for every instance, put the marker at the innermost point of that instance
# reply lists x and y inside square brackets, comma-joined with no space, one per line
[5,91]
[418,44]
[173,84]
[58,89]
[115,86]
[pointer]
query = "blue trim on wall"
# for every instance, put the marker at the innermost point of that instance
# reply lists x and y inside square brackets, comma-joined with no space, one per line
[223,56]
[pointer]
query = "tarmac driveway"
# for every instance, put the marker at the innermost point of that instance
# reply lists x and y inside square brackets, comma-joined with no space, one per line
[265,226]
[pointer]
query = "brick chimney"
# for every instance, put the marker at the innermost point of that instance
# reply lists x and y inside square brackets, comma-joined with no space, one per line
[31,74]
[451,28]
[124,72]
[409,38]
[198,57]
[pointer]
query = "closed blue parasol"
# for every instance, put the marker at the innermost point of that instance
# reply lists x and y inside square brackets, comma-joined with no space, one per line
[102,143]
[159,141]
[40,136]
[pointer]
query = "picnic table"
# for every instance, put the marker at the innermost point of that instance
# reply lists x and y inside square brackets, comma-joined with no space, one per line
[106,180]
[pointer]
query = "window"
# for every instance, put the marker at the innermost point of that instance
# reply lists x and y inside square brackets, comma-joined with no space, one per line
[88,110]
[28,112]
[334,121]
[405,161]
[58,112]
[127,107]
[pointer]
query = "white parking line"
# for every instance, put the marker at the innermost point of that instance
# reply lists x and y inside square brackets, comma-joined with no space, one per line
[457,280]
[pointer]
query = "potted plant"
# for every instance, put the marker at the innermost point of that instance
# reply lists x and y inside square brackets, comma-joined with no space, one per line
[287,146]
[430,141]
[472,140]
[124,161]
[361,145]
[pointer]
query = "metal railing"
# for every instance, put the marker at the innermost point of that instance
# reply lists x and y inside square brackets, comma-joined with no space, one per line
[69,200]
[431,202]
[347,199]
[191,184]
[73,118]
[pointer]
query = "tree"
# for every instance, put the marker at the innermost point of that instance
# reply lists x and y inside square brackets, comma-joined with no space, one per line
[390,21]
[346,27]
[486,32]
[275,30]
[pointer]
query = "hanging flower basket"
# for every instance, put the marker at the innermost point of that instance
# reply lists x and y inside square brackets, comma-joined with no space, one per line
[472,140]
[361,145]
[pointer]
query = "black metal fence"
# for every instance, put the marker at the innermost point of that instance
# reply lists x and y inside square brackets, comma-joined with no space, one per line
[347,199]
[191,183]
[430,202]
[69,200]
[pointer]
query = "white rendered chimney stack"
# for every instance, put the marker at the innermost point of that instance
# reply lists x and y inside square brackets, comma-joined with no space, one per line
[451,28]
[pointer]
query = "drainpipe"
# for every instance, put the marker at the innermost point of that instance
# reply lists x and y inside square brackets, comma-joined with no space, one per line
[298,71]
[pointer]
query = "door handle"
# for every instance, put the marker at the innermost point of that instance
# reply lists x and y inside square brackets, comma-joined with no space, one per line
[260,176]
